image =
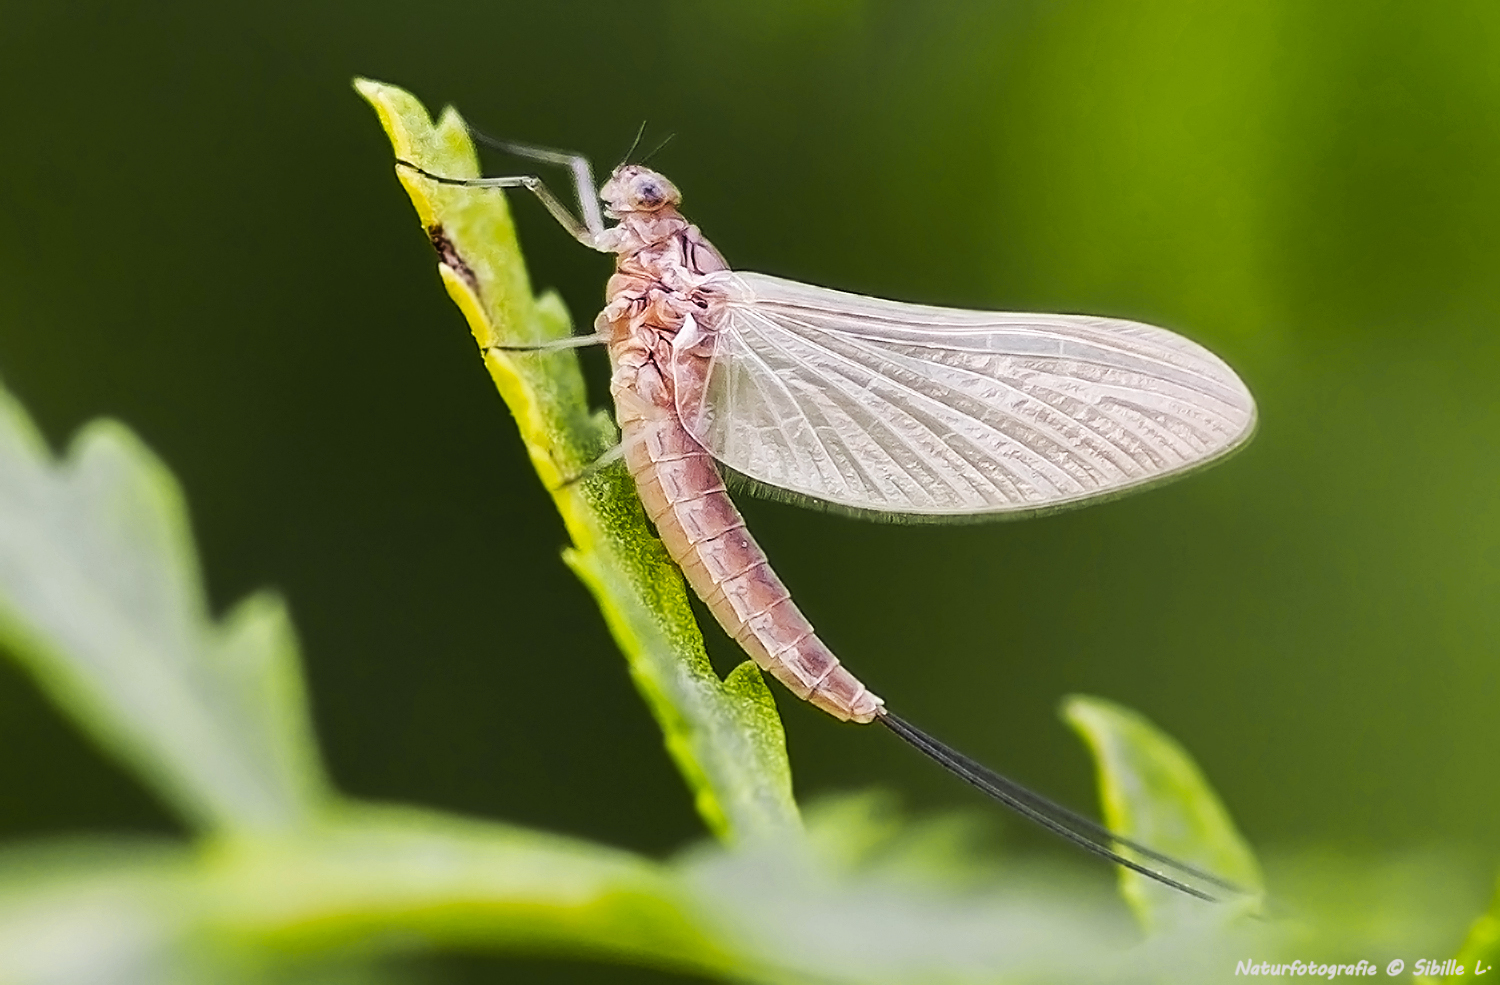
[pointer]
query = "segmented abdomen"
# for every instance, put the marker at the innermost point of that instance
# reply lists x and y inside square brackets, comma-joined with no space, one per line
[704,533]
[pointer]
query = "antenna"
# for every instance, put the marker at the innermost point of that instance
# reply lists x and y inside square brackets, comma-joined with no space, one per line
[641,132]
[665,141]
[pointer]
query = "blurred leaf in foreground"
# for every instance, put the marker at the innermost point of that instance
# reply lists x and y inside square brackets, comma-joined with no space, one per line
[101,600]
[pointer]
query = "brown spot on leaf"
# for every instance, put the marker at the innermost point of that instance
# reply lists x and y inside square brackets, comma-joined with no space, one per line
[448,255]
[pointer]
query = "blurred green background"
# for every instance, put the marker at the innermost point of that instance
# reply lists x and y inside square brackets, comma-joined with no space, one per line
[201,234]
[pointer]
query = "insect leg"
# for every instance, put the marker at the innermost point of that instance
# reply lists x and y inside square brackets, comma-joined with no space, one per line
[615,454]
[578,230]
[583,173]
[552,345]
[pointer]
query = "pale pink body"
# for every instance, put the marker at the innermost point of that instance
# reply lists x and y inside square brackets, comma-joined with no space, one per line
[659,289]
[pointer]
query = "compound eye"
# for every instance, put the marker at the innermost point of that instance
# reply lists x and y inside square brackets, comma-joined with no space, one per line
[649,194]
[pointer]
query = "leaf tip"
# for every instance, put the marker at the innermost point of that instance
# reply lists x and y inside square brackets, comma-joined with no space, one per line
[1152,790]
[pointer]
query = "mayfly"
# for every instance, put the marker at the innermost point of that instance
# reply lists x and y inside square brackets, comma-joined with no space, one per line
[874,407]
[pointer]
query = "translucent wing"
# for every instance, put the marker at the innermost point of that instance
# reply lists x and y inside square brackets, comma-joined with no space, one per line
[882,407]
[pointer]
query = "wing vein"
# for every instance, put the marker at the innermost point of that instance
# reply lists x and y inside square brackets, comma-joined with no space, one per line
[893,461]
[882,407]
[1040,465]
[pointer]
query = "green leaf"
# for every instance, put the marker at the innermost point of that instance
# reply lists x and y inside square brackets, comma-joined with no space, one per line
[433,879]
[864,898]
[1154,794]
[725,737]
[101,601]
[303,907]
[868,897]
[370,881]
[98,913]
